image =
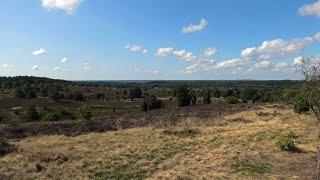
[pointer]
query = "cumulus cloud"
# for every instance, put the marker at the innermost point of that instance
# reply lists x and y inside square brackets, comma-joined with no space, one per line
[35,67]
[145,51]
[277,48]
[183,54]
[68,6]
[164,52]
[317,36]
[264,65]
[195,27]
[297,61]
[310,9]
[64,60]
[280,66]
[210,52]
[39,52]
[86,67]
[229,64]
[136,48]
[7,66]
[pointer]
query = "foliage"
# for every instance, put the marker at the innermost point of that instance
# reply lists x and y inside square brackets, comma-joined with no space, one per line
[32,114]
[50,117]
[286,142]
[231,100]
[135,93]
[151,102]
[207,96]
[301,105]
[183,95]
[84,113]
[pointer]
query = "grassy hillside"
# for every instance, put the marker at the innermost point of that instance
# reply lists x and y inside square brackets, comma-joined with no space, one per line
[239,146]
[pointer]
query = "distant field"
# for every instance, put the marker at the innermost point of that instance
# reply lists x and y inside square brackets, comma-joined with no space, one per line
[239,145]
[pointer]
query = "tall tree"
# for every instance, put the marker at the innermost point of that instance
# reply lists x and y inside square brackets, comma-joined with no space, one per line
[310,70]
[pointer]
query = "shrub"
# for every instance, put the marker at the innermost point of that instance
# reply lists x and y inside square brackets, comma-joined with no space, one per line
[151,102]
[50,117]
[32,114]
[301,105]
[207,96]
[286,142]
[135,93]
[84,113]
[231,100]
[183,94]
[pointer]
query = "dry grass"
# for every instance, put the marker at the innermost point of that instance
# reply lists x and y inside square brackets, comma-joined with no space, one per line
[239,146]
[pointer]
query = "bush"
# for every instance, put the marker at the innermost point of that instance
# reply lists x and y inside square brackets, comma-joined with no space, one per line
[135,93]
[301,105]
[207,97]
[32,114]
[183,94]
[50,117]
[286,142]
[151,102]
[231,100]
[84,113]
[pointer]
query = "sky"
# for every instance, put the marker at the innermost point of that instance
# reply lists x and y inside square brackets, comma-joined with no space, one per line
[158,39]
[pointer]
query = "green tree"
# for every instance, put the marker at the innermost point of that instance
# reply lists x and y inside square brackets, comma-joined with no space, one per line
[207,96]
[135,93]
[19,93]
[151,102]
[183,95]
[32,114]
[84,113]
[310,70]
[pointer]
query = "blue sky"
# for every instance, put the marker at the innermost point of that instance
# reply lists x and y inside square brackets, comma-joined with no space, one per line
[153,39]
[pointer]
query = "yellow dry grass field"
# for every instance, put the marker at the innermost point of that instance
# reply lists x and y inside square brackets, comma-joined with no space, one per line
[237,146]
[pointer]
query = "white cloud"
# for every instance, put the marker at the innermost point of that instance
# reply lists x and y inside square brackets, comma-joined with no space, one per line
[276,48]
[68,6]
[264,65]
[317,36]
[195,27]
[136,48]
[210,52]
[183,54]
[86,67]
[35,67]
[297,61]
[310,9]
[164,52]
[145,51]
[64,60]
[230,64]
[7,66]
[58,69]
[280,66]
[39,52]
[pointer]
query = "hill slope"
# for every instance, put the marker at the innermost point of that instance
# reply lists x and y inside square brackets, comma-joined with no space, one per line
[239,146]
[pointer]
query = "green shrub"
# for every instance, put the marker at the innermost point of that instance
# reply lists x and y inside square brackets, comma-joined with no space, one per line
[207,96]
[183,95]
[286,142]
[32,114]
[50,117]
[151,102]
[301,105]
[84,113]
[231,100]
